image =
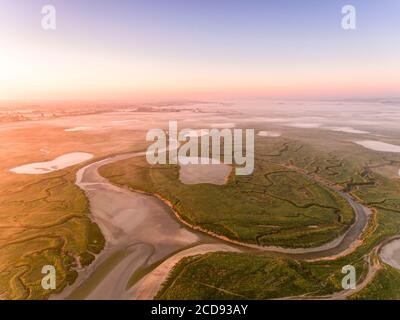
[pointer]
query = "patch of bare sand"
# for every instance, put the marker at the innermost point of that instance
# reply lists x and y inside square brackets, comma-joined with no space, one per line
[127,219]
[379,146]
[193,170]
[148,286]
[390,253]
[61,162]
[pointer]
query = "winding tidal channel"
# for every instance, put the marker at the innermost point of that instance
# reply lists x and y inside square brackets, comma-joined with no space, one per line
[144,240]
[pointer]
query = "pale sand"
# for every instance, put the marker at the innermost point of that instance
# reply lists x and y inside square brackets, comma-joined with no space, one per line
[378,146]
[78,129]
[390,254]
[149,285]
[124,121]
[363,122]
[348,130]
[113,284]
[213,173]
[304,125]
[61,162]
[272,134]
[223,125]
[266,119]
[136,225]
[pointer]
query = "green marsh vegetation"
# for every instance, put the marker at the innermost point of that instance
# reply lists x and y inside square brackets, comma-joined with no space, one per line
[53,229]
[45,219]
[273,207]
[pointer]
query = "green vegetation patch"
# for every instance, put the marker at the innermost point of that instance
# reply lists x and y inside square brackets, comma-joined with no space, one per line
[224,275]
[44,222]
[384,286]
[273,206]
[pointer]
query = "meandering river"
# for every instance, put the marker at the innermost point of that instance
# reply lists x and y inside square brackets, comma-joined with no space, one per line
[144,240]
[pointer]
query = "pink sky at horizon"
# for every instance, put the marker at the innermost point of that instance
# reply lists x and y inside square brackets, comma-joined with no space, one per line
[145,53]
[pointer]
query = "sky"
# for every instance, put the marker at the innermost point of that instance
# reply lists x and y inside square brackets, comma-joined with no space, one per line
[124,50]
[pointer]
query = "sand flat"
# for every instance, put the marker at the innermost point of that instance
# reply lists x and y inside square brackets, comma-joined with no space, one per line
[124,121]
[61,162]
[213,173]
[137,224]
[228,125]
[78,129]
[304,125]
[378,146]
[266,119]
[390,254]
[272,134]
[348,130]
